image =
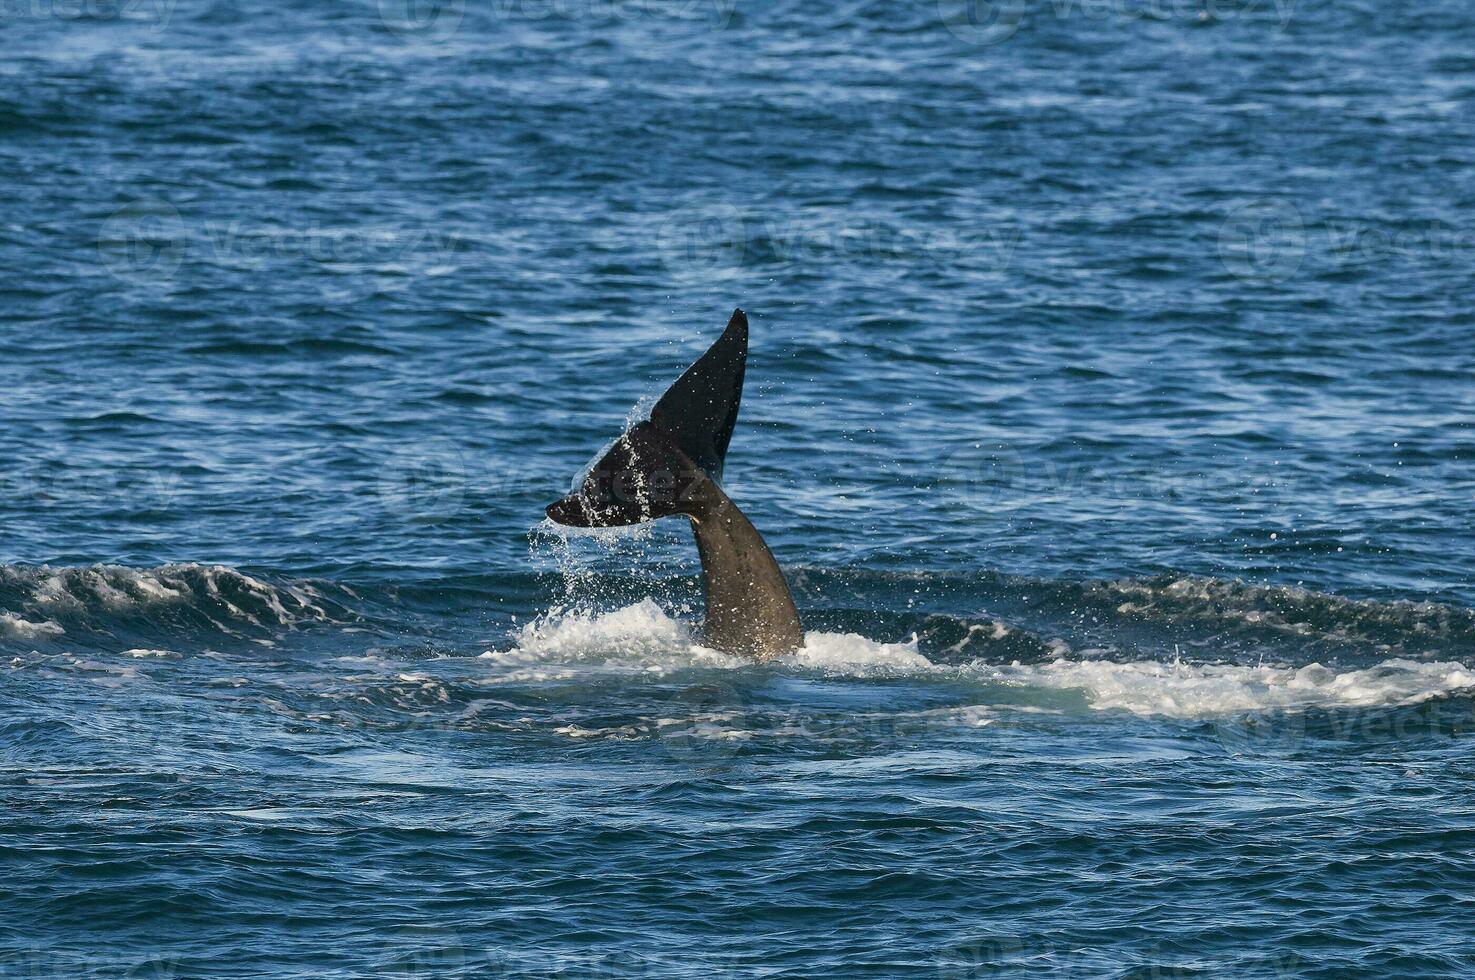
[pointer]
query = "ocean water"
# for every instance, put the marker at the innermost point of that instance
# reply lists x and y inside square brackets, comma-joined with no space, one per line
[1110,407]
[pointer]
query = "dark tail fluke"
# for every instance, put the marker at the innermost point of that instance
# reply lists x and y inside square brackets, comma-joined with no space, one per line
[669,464]
[701,408]
[654,469]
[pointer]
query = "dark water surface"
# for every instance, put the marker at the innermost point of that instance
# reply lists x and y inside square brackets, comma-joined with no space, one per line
[1110,406]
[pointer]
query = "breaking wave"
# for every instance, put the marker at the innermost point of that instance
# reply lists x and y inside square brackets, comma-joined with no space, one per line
[1286,609]
[43,603]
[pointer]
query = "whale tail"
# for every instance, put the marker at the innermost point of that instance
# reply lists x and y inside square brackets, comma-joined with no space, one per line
[658,467]
[670,464]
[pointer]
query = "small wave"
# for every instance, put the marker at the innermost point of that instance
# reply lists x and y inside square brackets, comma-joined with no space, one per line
[287,348]
[1287,609]
[117,588]
[42,602]
[1233,616]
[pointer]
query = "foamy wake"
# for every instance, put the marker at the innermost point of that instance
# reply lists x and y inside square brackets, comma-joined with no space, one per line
[1193,690]
[643,639]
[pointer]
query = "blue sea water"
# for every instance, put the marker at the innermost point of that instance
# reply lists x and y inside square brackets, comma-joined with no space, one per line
[1110,407]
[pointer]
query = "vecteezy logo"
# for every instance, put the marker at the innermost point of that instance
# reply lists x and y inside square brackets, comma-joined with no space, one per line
[705,242]
[143,241]
[984,476]
[433,20]
[704,723]
[1260,733]
[426,953]
[427,484]
[1263,240]
[987,957]
[981,22]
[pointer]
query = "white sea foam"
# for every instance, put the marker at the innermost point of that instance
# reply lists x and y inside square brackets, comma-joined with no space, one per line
[13,627]
[853,655]
[1195,690]
[643,639]
[98,672]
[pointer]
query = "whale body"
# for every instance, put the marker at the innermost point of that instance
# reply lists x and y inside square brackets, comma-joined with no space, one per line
[670,465]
